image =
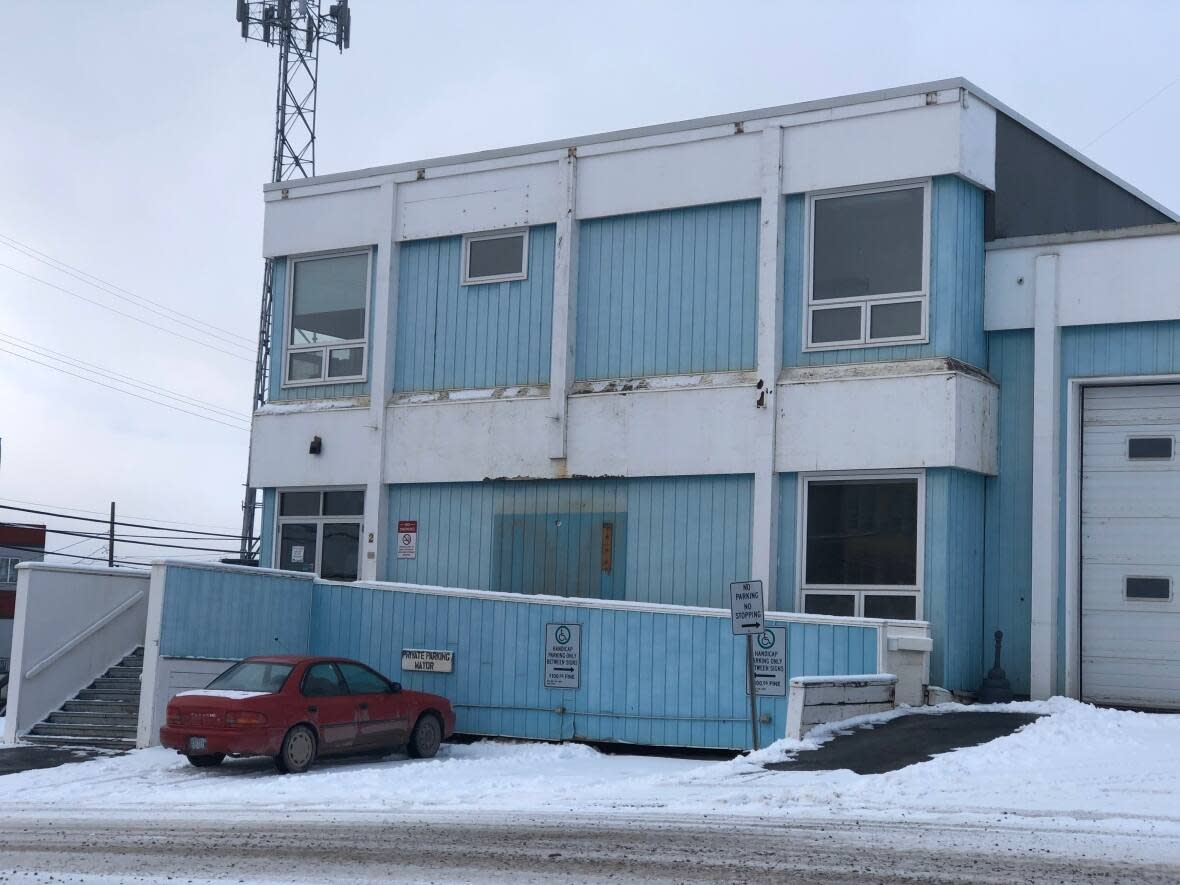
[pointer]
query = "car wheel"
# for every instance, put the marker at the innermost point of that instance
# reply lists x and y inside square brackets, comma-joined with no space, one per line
[298,750]
[207,761]
[426,737]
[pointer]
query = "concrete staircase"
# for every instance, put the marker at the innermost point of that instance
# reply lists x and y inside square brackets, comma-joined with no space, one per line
[104,714]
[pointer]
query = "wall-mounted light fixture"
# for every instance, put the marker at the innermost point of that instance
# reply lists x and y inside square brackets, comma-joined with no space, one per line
[317,446]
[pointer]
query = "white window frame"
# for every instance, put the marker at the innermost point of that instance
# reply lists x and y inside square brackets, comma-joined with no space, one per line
[859,591]
[363,342]
[9,563]
[320,521]
[866,302]
[468,239]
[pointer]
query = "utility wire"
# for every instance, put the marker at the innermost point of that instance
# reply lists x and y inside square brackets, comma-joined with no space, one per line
[123,313]
[1129,114]
[54,553]
[173,522]
[75,362]
[95,537]
[205,417]
[131,525]
[119,292]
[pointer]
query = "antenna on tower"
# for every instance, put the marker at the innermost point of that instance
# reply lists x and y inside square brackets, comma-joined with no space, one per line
[297,28]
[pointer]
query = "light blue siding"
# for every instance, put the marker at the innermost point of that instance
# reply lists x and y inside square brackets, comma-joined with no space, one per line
[660,677]
[275,390]
[1008,559]
[1097,351]
[451,336]
[664,293]
[212,612]
[267,530]
[956,283]
[788,511]
[677,540]
[953,576]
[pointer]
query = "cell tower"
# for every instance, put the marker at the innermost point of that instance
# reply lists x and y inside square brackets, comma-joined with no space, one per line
[297,27]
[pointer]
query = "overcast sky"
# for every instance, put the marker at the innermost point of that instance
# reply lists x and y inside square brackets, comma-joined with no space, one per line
[135,138]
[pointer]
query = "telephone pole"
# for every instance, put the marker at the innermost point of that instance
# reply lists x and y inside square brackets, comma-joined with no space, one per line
[297,28]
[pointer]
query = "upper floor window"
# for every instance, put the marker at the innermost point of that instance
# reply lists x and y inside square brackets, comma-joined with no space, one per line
[328,305]
[495,258]
[8,569]
[868,267]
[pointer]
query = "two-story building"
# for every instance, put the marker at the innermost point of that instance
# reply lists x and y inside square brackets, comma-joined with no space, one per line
[898,355]
[18,543]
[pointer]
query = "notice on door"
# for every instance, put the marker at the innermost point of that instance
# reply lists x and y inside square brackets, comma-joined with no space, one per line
[563,655]
[407,539]
[428,660]
[770,663]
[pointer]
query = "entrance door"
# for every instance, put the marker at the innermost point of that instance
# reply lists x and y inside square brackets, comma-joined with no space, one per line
[1131,546]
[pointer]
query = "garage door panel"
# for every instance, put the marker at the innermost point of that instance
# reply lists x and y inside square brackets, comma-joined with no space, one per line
[1130,527]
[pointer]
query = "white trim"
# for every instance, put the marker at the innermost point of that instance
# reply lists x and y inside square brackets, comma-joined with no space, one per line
[859,590]
[468,239]
[320,521]
[1073,512]
[564,312]
[865,302]
[289,323]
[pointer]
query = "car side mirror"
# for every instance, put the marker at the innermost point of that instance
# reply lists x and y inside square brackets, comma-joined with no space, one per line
[395,687]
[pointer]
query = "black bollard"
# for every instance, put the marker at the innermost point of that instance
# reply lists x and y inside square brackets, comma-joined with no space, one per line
[995,688]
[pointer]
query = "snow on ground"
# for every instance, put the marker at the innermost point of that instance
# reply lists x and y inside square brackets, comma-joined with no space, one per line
[1079,767]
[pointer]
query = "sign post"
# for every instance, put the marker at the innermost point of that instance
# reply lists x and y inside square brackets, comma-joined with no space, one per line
[748,619]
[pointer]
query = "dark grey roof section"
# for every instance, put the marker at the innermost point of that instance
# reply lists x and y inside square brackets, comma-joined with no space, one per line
[1040,189]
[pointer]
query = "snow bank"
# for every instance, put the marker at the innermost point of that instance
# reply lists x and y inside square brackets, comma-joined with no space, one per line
[1109,770]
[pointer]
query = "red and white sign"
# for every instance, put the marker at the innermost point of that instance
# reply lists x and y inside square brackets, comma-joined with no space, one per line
[407,539]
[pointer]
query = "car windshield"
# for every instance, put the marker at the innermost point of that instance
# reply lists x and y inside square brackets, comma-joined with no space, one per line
[253,676]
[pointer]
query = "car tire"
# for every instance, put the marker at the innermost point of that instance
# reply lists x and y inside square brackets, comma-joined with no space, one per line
[298,750]
[208,760]
[426,737]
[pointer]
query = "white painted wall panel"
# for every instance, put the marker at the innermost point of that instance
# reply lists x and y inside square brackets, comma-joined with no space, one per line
[1115,280]
[935,420]
[279,456]
[501,198]
[714,171]
[323,221]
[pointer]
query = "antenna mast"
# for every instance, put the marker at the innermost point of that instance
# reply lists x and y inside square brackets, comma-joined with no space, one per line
[297,27]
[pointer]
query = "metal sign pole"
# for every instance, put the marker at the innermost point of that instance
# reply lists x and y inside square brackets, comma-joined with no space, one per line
[753,693]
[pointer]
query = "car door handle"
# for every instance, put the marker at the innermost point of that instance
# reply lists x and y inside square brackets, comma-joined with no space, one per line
[363,706]
[313,709]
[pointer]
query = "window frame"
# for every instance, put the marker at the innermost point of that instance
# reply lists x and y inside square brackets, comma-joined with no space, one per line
[479,236]
[9,564]
[866,302]
[859,591]
[289,300]
[320,520]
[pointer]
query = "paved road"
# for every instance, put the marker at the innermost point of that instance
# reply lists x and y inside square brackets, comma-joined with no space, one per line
[523,849]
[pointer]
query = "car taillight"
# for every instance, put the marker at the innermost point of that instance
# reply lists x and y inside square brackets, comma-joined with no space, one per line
[174,717]
[236,720]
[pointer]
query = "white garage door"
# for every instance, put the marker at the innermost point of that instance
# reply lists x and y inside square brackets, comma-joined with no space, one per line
[1131,546]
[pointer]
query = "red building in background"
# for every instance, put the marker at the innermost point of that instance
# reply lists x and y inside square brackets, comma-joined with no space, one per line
[18,543]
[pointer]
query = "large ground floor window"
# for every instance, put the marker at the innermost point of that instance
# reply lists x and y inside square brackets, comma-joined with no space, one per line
[862,546]
[319,531]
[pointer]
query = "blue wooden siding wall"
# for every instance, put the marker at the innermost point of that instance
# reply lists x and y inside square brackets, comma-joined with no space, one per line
[451,336]
[278,336]
[664,293]
[677,540]
[1008,557]
[1097,351]
[651,677]
[956,283]
[227,614]
[953,576]
[267,529]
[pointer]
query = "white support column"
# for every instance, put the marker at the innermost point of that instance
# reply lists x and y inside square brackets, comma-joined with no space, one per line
[376,536]
[565,280]
[764,547]
[1045,482]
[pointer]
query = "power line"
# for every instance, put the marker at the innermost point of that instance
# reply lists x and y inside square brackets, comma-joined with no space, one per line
[132,525]
[111,289]
[54,553]
[122,540]
[123,313]
[119,377]
[174,522]
[121,390]
[1129,114]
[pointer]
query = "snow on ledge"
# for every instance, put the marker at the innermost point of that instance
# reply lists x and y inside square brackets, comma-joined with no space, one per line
[861,679]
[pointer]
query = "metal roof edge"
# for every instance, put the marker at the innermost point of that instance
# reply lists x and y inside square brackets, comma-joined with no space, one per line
[1163,229]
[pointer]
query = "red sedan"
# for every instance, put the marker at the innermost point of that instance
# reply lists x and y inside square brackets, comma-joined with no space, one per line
[296,708]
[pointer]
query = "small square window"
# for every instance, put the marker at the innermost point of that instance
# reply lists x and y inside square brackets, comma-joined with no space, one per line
[1149,448]
[1158,589]
[897,319]
[299,504]
[495,258]
[305,365]
[838,604]
[891,606]
[836,324]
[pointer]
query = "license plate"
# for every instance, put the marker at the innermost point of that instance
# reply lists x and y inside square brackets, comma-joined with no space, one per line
[195,743]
